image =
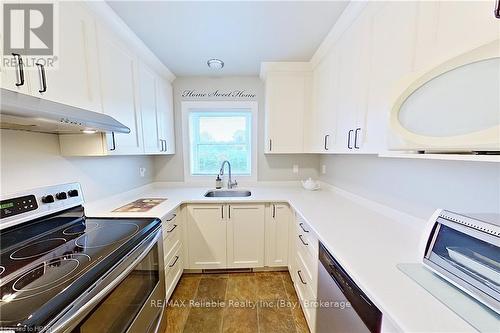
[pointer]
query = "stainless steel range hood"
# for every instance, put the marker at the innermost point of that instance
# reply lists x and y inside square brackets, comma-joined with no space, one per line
[23,112]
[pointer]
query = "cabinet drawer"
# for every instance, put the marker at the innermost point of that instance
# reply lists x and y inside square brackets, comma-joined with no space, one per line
[171,236]
[307,242]
[304,284]
[173,269]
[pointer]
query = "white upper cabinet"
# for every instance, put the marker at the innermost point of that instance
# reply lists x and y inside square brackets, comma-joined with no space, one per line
[321,135]
[288,100]
[353,72]
[446,29]
[391,59]
[165,115]
[74,79]
[118,77]
[149,111]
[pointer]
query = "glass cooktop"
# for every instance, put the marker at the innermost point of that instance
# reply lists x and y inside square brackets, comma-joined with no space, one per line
[46,263]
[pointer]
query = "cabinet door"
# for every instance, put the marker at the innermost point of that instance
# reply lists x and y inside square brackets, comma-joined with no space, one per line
[245,235]
[149,116]
[449,28]
[74,78]
[117,67]
[13,76]
[287,98]
[277,223]
[322,136]
[392,48]
[206,232]
[165,113]
[346,102]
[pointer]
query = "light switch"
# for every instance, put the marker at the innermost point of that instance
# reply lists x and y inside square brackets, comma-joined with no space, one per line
[295,168]
[323,169]
[142,171]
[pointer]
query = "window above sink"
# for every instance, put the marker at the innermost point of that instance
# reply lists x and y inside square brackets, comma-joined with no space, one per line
[216,131]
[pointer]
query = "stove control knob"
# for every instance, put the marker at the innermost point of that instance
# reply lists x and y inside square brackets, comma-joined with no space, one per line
[48,198]
[73,193]
[61,196]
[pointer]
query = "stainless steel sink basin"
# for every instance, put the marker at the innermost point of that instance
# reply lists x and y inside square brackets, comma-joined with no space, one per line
[227,193]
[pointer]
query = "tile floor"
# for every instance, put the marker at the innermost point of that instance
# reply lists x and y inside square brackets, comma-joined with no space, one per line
[263,302]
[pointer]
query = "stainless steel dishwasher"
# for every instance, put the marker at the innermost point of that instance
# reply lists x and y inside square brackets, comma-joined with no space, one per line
[344,308]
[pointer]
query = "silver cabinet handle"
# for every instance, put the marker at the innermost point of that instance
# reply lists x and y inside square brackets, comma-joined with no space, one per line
[229,212]
[356,137]
[274,211]
[326,141]
[175,261]
[169,231]
[222,211]
[349,139]
[173,217]
[497,10]
[300,277]
[20,67]
[43,81]
[270,145]
[302,227]
[302,240]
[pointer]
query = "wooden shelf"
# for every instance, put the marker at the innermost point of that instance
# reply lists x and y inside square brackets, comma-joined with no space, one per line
[447,157]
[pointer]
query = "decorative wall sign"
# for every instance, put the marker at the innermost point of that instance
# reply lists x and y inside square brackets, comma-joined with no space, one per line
[191,93]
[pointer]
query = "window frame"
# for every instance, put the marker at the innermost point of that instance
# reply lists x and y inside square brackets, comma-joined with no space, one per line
[218,106]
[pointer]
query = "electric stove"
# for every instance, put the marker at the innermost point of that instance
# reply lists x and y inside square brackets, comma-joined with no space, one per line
[51,253]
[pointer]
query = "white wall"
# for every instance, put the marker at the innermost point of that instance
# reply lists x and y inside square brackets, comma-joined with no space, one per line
[275,167]
[418,187]
[32,159]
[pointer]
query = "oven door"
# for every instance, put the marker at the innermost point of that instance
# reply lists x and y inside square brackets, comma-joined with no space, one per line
[130,298]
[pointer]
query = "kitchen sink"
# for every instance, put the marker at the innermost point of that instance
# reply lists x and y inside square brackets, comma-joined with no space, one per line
[227,193]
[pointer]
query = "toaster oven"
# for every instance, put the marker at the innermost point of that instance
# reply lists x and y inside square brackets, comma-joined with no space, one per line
[465,251]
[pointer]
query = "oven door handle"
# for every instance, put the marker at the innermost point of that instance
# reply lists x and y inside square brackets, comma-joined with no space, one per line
[61,326]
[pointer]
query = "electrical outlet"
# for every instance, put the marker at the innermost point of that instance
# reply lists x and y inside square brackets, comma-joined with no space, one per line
[142,171]
[323,169]
[295,169]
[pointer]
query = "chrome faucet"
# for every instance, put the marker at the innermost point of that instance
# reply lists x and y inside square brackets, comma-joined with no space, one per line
[230,183]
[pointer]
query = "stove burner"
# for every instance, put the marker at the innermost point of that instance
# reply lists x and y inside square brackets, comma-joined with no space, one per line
[37,249]
[2,269]
[42,278]
[45,274]
[107,235]
[80,228]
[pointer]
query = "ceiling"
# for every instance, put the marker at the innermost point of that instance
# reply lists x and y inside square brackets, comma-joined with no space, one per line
[185,34]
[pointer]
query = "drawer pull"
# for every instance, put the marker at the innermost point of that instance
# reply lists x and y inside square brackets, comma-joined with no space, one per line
[175,261]
[302,240]
[300,277]
[169,231]
[173,217]
[302,227]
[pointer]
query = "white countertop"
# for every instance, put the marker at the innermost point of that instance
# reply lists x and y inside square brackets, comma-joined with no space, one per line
[368,240]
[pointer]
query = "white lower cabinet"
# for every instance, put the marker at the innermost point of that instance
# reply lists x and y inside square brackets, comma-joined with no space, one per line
[277,224]
[304,270]
[173,255]
[225,235]
[245,235]
[206,232]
